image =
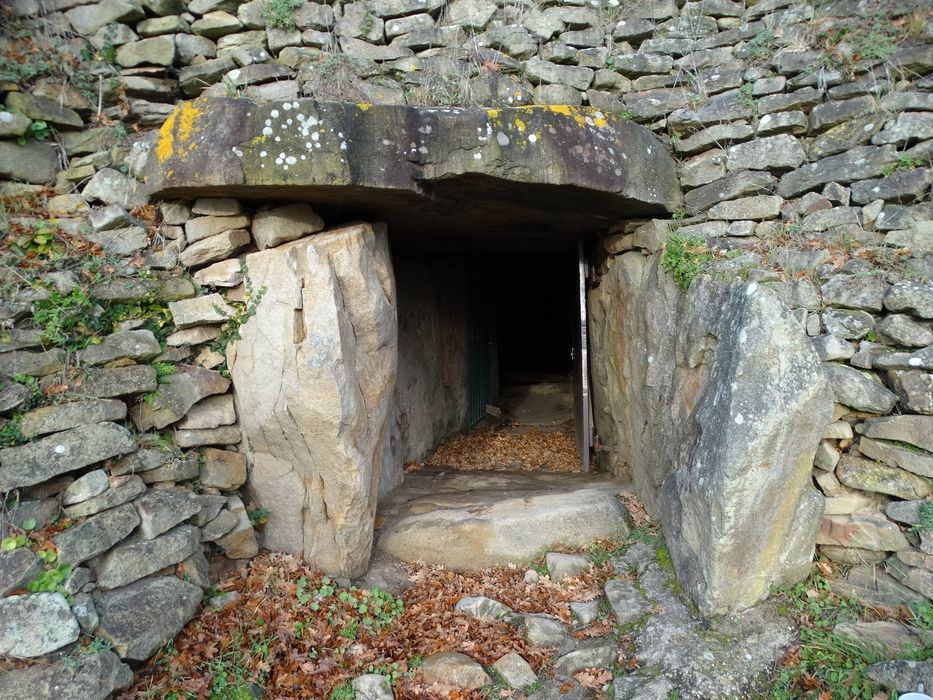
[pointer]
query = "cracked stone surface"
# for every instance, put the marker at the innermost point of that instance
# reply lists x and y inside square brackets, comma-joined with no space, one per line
[316,464]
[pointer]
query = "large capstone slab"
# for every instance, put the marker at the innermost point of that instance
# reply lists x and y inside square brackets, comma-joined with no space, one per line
[524,169]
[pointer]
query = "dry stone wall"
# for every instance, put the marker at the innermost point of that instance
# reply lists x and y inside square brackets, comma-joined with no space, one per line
[804,135]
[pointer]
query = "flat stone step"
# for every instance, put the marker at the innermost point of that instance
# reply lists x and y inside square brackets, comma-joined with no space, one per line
[479,519]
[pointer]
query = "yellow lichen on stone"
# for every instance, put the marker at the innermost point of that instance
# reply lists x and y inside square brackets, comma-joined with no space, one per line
[520,124]
[176,132]
[364,106]
[165,146]
[186,122]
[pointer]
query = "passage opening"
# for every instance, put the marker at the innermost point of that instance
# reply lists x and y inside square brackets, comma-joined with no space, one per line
[498,330]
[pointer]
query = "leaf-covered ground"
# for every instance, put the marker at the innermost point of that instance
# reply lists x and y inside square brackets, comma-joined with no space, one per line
[295,634]
[534,450]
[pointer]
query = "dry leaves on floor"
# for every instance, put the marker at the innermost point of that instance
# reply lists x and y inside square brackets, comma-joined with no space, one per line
[280,635]
[636,509]
[535,450]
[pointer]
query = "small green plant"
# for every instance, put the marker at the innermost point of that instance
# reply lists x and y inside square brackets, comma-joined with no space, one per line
[685,258]
[39,130]
[602,552]
[36,240]
[344,691]
[384,668]
[745,96]
[924,517]
[164,370]
[280,13]
[11,434]
[904,163]
[627,114]
[8,544]
[761,46]
[66,319]
[244,311]
[922,611]
[879,42]
[258,516]
[51,580]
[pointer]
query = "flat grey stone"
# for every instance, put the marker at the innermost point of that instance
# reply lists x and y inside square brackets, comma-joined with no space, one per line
[178,393]
[868,475]
[915,298]
[202,227]
[108,382]
[60,453]
[481,606]
[219,526]
[859,163]
[87,19]
[85,612]
[219,247]
[96,534]
[125,490]
[902,675]
[455,669]
[546,631]
[913,460]
[212,412]
[223,435]
[210,508]
[162,509]
[773,153]
[627,603]
[240,542]
[145,459]
[915,430]
[372,686]
[44,109]
[583,613]
[63,416]
[113,187]
[35,162]
[561,566]
[864,530]
[141,617]
[210,308]
[133,345]
[590,653]
[914,389]
[17,568]
[180,469]
[32,363]
[134,559]
[832,347]
[904,187]
[87,486]
[756,207]
[85,676]
[854,292]
[857,390]
[904,330]
[272,227]
[848,324]
[36,624]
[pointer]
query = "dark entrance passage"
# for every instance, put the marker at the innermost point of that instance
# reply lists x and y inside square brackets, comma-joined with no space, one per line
[507,326]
